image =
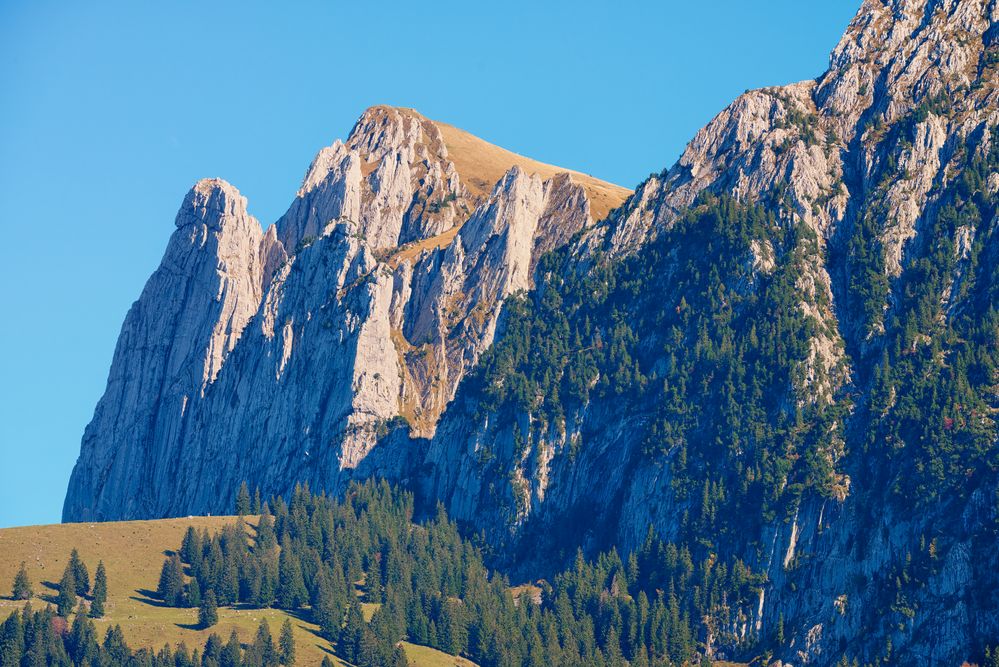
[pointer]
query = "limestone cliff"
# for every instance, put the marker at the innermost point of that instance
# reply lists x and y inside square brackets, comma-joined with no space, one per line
[288,354]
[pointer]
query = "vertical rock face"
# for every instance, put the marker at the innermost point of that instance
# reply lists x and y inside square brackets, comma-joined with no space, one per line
[173,343]
[286,355]
[346,342]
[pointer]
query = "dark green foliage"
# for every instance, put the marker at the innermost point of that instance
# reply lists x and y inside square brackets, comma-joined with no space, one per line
[941,354]
[190,546]
[231,653]
[286,645]
[291,586]
[243,500]
[208,614]
[711,366]
[256,501]
[100,595]
[67,591]
[29,638]
[115,648]
[80,573]
[434,588]
[22,585]
[171,585]
[192,593]
[262,653]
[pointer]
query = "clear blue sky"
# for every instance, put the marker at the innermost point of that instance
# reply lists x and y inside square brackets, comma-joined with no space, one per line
[110,111]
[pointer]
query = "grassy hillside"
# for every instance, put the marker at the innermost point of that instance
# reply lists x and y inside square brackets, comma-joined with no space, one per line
[481,164]
[133,553]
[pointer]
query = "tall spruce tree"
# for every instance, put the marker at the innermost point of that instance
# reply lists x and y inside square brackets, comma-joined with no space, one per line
[291,587]
[66,600]
[287,644]
[256,501]
[171,585]
[192,593]
[22,585]
[100,596]
[115,648]
[212,654]
[232,653]
[190,546]
[263,645]
[243,500]
[80,573]
[208,613]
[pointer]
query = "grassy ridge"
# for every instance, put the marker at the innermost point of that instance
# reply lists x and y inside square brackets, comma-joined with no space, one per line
[133,553]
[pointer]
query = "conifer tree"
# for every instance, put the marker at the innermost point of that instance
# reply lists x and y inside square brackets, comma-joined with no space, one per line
[350,635]
[291,587]
[12,639]
[100,592]
[287,644]
[67,591]
[243,500]
[115,648]
[263,645]
[232,653]
[324,612]
[190,546]
[82,641]
[171,585]
[208,614]
[256,501]
[22,585]
[212,654]
[192,593]
[80,573]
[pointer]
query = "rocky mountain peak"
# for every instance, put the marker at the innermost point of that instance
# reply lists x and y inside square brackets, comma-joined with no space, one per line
[366,302]
[214,202]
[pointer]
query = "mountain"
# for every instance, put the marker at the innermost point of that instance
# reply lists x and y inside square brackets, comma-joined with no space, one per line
[779,355]
[288,353]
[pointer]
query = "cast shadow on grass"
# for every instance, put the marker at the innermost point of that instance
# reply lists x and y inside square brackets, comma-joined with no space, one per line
[53,597]
[304,618]
[147,596]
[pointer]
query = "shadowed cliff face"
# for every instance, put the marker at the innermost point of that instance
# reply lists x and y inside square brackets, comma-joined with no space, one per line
[346,340]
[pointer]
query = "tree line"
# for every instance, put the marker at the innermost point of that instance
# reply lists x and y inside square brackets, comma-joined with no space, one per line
[38,637]
[326,558]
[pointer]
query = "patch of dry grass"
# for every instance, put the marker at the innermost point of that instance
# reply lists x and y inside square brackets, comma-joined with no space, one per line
[133,553]
[431,657]
[481,164]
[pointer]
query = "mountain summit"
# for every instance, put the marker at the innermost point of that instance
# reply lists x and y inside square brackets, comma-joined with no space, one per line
[774,368]
[288,353]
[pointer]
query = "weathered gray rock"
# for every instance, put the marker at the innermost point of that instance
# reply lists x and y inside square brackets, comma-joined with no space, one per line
[287,355]
[172,346]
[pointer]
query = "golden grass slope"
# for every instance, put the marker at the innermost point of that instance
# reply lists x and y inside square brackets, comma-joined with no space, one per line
[133,553]
[481,164]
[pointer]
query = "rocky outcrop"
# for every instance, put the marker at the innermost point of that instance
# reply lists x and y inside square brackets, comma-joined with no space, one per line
[287,354]
[173,344]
